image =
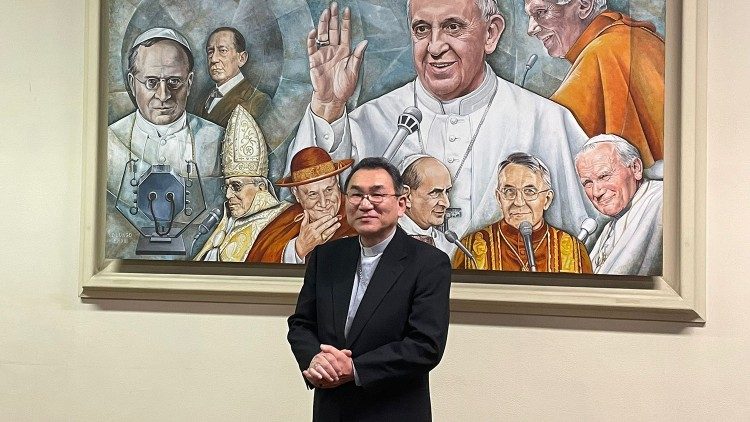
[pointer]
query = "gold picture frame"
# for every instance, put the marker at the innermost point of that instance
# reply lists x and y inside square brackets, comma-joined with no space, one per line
[678,295]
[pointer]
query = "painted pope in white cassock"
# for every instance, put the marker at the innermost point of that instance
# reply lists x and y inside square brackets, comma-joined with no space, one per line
[471,117]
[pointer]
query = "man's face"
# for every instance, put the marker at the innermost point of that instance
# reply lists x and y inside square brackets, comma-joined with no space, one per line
[557,26]
[320,199]
[428,202]
[451,39]
[609,184]
[523,195]
[240,194]
[166,63]
[374,221]
[224,61]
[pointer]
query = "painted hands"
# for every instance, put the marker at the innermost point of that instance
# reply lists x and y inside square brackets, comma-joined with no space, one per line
[312,234]
[334,67]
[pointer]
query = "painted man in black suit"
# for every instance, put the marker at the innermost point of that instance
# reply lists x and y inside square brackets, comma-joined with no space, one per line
[226,53]
[372,316]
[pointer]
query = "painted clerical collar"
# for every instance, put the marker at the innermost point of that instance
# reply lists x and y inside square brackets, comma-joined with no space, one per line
[159,131]
[376,249]
[231,83]
[411,228]
[465,105]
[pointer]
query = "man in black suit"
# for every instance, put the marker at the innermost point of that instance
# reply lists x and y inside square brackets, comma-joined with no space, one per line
[226,53]
[372,316]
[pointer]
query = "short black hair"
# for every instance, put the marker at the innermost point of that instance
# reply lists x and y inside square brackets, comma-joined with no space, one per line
[239,40]
[374,163]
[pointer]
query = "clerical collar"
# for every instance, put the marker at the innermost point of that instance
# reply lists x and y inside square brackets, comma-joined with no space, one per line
[157,131]
[465,105]
[410,227]
[231,83]
[378,248]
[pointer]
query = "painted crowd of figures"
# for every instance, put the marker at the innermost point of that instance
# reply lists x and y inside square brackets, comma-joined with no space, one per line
[498,177]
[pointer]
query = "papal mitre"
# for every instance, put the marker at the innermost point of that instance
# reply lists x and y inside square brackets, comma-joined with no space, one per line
[243,151]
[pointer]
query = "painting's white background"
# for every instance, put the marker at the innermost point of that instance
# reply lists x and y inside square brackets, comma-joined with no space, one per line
[128,360]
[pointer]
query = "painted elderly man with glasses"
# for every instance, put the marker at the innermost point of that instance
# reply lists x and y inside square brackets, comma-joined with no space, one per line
[160,131]
[316,218]
[251,203]
[524,192]
[471,117]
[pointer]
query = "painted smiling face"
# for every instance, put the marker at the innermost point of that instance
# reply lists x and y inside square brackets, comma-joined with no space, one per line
[450,41]
[523,195]
[557,26]
[320,199]
[608,182]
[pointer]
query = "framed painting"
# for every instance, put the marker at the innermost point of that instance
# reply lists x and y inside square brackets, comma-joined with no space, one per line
[555,150]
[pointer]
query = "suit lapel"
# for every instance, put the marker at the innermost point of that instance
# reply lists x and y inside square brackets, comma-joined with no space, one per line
[226,105]
[386,273]
[343,281]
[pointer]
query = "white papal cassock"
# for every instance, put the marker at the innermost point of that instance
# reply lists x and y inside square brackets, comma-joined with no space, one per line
[516,120]
[632,242]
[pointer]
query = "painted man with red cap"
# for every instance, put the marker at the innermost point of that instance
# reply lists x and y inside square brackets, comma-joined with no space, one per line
[316,218]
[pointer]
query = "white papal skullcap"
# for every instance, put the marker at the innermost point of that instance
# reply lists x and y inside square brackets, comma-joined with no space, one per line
[409,160]
[167,33]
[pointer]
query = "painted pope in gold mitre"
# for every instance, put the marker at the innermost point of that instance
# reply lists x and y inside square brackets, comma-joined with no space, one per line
[251,202]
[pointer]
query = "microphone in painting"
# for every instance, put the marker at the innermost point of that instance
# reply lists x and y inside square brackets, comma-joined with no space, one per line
[588,226]
[453,238]
[408,123]
[526,229]
[529,64]
[208,224]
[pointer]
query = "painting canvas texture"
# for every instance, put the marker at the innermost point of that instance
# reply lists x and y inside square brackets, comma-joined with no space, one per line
[530,133]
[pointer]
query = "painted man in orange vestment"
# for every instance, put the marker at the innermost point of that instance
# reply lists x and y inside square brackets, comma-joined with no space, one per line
[524,193]
[616,84]
[317,217]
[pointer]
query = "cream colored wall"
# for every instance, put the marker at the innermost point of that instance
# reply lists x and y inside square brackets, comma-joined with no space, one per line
[61,359]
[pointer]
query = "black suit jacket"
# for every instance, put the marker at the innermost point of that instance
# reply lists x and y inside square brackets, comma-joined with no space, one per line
[244,94]
[397,336]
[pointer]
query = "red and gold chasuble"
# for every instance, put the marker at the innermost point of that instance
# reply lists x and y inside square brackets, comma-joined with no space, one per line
[500,247]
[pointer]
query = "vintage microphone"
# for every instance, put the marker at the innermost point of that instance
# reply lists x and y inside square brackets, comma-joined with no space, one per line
[588,226]
[526,229]
[208,224]
[453,238]
[408,123]
[529,64]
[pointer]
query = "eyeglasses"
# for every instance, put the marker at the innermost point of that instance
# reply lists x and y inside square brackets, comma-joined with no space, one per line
[529,194]
[236,187]
[356,198]
[173,82]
